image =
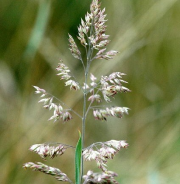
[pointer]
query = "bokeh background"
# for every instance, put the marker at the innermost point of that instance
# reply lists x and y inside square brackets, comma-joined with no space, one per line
[33,37]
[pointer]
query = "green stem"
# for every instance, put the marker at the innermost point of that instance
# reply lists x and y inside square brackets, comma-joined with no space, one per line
[84,121]
[84,110]
[89,55]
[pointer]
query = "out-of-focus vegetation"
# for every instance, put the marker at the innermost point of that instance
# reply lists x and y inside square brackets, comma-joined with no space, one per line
[33,37]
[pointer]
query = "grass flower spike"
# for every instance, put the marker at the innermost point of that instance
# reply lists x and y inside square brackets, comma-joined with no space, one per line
[93,38]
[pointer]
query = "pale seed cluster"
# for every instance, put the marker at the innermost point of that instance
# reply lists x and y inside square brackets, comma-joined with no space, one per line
[44,150]
[102,114]
[64,72]
[112,84]
[106,151]
[109,86]
[98,178]
[59,112]
[73,48]
[92,32]
[57,173]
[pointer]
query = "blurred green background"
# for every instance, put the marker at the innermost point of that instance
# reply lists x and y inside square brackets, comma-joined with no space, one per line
[33,37]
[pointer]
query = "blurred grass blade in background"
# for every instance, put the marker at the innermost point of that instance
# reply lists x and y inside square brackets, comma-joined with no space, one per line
[39,29]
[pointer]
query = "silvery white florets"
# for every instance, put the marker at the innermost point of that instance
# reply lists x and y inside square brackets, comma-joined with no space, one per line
[102,114]
[45,150]
[102,151]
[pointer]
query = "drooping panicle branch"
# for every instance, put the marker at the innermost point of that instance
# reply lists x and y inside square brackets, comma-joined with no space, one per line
[57,173]
[59,113]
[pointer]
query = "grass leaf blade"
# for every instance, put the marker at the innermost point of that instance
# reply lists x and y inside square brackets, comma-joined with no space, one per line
[78,159]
